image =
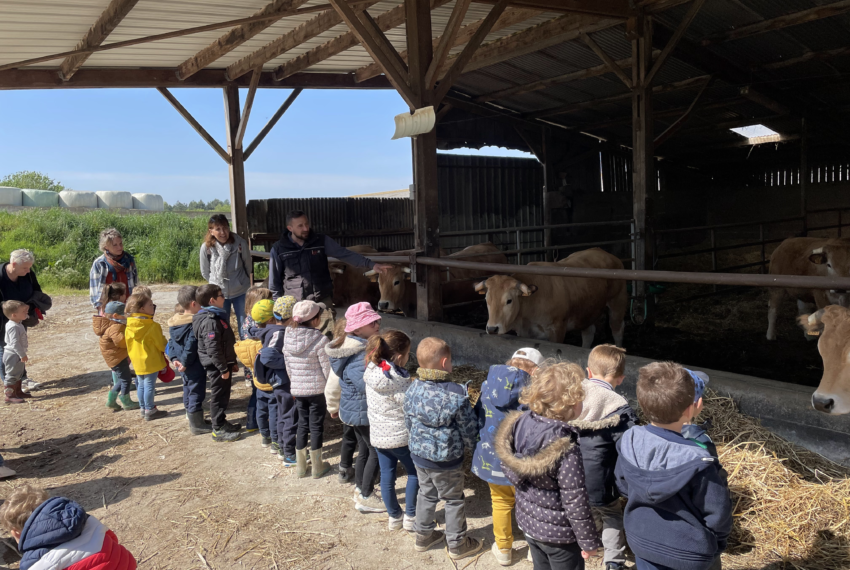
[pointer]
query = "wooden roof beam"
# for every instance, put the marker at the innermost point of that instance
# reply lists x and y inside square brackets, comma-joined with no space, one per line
[607,8]
[510,17]
[808,56]
[781,22]
[683,118]
[100,30]
[194,124]
[272,122]
[446,42]
[608,62]
[674,41]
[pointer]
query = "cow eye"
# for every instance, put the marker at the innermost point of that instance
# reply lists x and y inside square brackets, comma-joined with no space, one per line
[829,265]
[509,301]
[395,283]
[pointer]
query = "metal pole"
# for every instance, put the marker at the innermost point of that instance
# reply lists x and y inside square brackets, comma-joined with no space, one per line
[804,175]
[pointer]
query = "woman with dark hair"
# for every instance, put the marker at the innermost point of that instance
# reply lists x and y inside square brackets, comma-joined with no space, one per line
[226,262]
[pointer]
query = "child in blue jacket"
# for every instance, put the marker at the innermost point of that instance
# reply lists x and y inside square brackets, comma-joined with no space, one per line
[182,349]
[500,395]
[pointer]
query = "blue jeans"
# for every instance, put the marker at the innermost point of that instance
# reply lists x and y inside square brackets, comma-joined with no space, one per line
[388,460]
[238,305]
[267,415]
[145,391]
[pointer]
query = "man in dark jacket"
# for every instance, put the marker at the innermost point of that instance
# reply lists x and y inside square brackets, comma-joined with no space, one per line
[679,513]
[216,353]
[183,351]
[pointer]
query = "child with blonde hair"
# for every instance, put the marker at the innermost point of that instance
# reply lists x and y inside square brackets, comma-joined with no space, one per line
[540,456]
[146,347]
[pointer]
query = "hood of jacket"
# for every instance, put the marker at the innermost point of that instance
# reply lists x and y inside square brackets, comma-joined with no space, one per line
[342,355]
[267,335]
[504,385]
[660,463]
[101,324]
[139,325]
[531,445]
[53,523]
[179,320]
[600,400]
[302,340]
[180,327]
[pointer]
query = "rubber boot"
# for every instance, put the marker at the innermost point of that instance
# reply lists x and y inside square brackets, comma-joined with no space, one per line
[197,425]
[11,398]
[301,463]
[19,391]
[127,403]
[320,466]
[111,403]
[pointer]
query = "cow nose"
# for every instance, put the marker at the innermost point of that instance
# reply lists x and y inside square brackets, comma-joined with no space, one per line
[382,305]
[823,403]
[492,330]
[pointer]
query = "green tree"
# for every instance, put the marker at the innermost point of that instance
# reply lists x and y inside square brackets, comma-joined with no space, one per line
[32,180]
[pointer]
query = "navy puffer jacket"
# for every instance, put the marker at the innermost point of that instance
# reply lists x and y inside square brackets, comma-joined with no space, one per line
[349,363]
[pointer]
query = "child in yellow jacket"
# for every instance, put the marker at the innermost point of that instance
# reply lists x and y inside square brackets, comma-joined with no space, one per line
[146,346]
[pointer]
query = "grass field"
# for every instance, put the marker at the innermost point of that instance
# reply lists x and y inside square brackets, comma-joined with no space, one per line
[64,243]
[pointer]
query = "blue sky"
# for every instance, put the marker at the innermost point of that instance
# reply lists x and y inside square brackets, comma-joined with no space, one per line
[329,143]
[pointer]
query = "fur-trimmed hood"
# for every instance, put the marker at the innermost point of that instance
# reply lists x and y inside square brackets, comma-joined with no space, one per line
[546,441]
[351,346]
[180,319]
[348,363]
[606,423]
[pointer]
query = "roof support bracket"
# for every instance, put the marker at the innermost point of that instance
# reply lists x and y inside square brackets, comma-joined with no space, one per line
[677,35]
[246,110]
[272,122]
[194,123]
[607,60]
[447,41]
[683,118]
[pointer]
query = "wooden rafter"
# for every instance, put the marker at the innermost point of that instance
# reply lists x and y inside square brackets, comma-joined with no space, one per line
[378,46]
[194,123]
[607,60]
[100,30]
[446,41]
[674,41]
[808,56]
[272,122]
[246,110]
[510,17]
[683,118]
[282,44]
[235,37]
[781,22]
[463,58]
[607,8]
[763,100]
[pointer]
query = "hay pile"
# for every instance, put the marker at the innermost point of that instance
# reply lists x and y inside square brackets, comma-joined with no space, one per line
[473,378]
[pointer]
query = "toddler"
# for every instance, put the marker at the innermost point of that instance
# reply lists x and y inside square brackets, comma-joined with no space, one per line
[693,431]
[15,351]
[146,347]
[183,351]
[110,328]
[269,372]
[348,445]
[116,291]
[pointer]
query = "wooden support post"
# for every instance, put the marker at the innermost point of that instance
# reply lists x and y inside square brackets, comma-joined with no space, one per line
[643,164]
[429,302]
[550,184]
[238,206]
[804,175]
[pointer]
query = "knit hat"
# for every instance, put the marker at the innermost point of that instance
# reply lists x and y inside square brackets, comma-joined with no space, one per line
[359,315]
[304,311]
[531,354]
[262,311]
[700,383]
[283,307]
[114,308]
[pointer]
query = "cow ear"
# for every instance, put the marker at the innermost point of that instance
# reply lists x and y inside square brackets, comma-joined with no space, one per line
[481,287]
[528,290]
[812,324]
[818,257]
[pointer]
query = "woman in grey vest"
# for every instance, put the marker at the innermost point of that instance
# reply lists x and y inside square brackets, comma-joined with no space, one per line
[226,262]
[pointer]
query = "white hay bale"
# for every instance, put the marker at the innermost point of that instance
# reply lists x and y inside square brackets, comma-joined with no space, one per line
[74,199]
[108,199]
[10,196]
[39,198]
[148,202]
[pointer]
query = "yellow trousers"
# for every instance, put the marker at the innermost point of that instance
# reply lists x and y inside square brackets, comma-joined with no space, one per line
[504,499]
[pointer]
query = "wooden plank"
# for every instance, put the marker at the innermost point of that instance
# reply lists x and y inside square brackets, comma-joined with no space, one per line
[290,40]
[674,41]
[781,22]
[235,37]
[808,56]
[462,59]
[446,41]
[378,46]
[246,111]
[195,124]
[607,8]
[100,30]
[683,118]
[763,100]
[607,61]
[511,17]
[272,122]
[386,21]
[165,77]
[238,204]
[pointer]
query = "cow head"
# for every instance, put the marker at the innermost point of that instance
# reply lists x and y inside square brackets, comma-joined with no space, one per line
[835,258]
[392,284]
[832,326]
[503,301]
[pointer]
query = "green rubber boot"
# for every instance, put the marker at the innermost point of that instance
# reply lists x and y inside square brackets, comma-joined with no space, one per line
[320,466]
[127,403]
[301,463]
[111,403]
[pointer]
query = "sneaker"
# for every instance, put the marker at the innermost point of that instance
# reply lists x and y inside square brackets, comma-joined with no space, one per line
[225,436]
[503,556]
[289,461]
[5,472]
[396,523]
[266,442]
[231,427]
[275,448]
[426,541]
[408,523]
[615,566]
[529,558]
[249,383]
[154,414]
[356,494]
[370,504]
[28,384]
[345,475]
[468,547]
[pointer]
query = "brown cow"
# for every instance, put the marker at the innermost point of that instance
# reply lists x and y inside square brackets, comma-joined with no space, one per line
[397,294]
[816,257]
[546,307]
[350,286]
[832,325]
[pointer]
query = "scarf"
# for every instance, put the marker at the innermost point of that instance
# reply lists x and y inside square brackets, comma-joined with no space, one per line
[116,264]
[433,375]
[218,264]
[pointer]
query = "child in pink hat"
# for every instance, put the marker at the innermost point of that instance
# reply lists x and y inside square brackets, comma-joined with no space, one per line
[348,362]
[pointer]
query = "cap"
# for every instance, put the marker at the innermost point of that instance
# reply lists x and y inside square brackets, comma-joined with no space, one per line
[262,311]
[114,308]
[359,315]
[531,354]
[700,383]
[304,311]
[283,307]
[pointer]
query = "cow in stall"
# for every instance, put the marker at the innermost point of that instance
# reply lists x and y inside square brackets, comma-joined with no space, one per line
[350,285]
[398,294]
[546,307]
[831,326]
[815,257]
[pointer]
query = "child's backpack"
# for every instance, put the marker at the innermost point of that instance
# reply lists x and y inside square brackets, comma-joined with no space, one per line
[247,351]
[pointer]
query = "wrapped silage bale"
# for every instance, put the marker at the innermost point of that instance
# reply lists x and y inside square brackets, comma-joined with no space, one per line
[152,202]
[39,198]
[108,199]
[75,199]
[10,196]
